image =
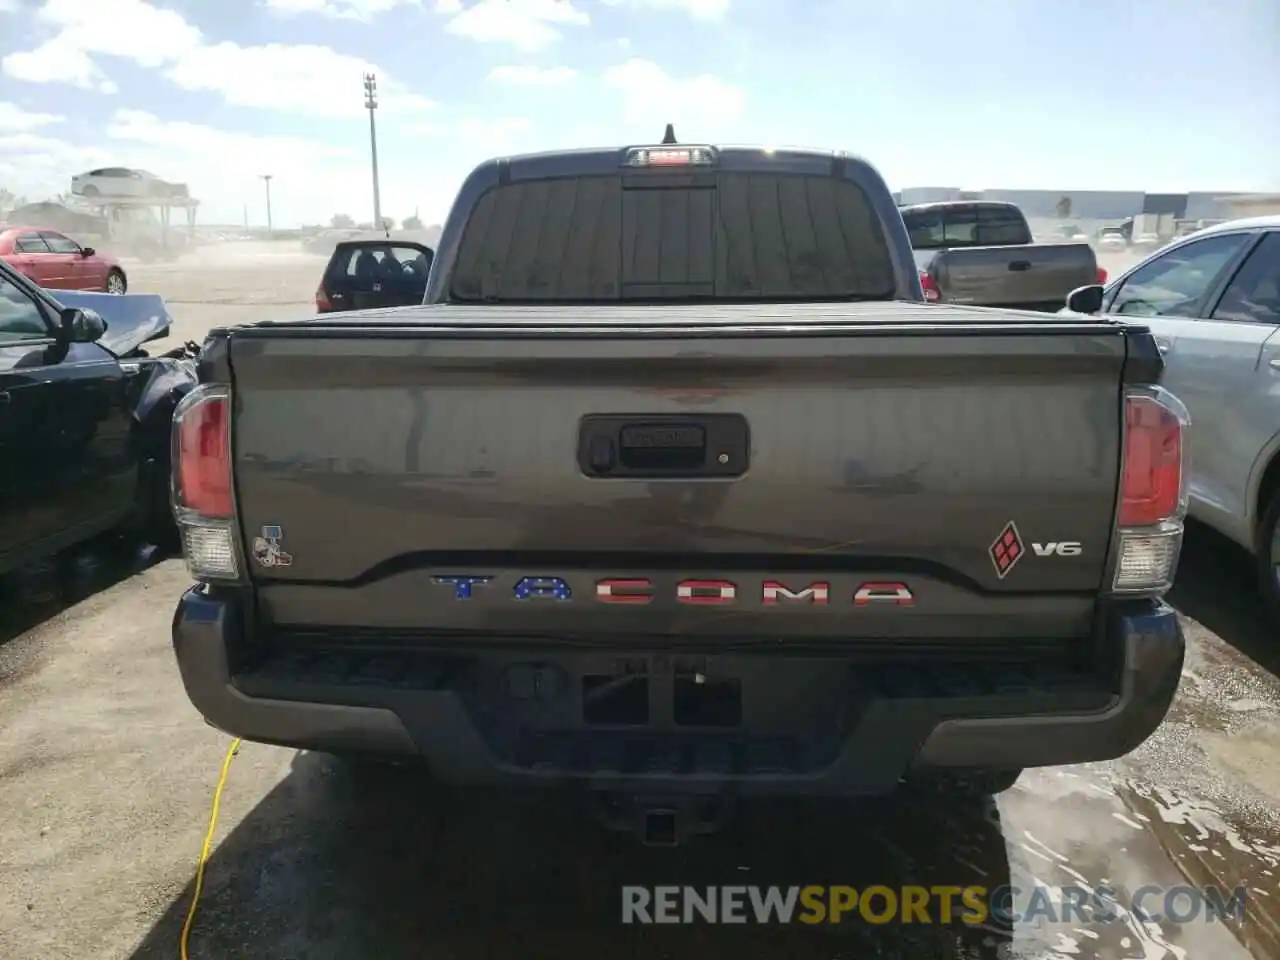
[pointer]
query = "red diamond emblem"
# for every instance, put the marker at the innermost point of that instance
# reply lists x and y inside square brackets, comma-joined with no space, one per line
[1006,550]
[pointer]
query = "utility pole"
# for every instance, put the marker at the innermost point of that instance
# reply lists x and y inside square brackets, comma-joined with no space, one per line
[371,104]
[266,178]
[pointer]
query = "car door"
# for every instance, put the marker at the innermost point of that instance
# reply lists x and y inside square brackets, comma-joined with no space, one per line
[34,259]
[26,331]
[69,263]
[1229,376]
[366,274]
[1209,364]
[67,465]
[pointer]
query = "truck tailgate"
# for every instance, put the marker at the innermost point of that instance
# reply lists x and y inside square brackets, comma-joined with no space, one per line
[1035,275]
[831,471]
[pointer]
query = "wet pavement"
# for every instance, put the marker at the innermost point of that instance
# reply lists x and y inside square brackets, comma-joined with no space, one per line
[106,774]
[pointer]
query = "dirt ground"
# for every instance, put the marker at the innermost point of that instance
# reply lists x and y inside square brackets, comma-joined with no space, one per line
[106,775]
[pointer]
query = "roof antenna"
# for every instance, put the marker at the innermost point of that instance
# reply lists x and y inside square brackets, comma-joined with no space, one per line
[670,135]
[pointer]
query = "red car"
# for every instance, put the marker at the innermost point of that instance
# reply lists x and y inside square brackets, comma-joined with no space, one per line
[56,262]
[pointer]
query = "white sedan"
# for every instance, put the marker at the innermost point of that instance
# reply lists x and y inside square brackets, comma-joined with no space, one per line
[124,182]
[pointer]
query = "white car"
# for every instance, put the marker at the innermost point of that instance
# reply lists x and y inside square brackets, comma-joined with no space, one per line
[1112,240]
[124,182]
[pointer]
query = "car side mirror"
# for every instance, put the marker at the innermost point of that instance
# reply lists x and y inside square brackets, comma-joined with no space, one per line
[82,326]
[1085,299]
[87,251]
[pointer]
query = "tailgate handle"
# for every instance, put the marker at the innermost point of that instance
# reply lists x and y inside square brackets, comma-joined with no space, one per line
[1019,265]
[663,445]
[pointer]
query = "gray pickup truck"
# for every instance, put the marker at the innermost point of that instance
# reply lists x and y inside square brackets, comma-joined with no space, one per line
[982,253]
[675,489]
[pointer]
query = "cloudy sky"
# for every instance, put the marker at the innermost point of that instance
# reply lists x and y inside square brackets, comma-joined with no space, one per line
[1122,94]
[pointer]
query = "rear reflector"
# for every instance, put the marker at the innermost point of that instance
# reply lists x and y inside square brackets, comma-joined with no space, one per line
[1147,560]
[210,550]
[1153,492]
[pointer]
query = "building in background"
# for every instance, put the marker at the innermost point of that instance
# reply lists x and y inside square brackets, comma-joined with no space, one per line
[1094,205]
[1252,204]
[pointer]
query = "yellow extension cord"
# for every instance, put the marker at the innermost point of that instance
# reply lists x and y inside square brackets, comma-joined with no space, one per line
[208,842]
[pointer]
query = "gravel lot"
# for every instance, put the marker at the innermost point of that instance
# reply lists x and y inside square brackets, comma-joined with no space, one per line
[106,774]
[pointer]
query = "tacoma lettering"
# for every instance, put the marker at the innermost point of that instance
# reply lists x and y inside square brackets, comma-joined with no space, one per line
[715,592]
[814,593]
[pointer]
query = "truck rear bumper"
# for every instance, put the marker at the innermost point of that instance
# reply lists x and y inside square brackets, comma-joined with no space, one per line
[446,716]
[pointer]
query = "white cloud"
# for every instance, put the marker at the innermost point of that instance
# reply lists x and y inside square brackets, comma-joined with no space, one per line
[477,133]
[362,10]
[194,145]
[14,118]
[221,167]
[174,149]
[495,131]
[530,76]
[306,79]
[57,61]
[524,24]
[698,9]
[311,180]
[650,94]
[38,166]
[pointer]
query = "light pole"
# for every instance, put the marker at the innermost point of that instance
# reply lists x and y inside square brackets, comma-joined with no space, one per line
[371,104]
[266,179]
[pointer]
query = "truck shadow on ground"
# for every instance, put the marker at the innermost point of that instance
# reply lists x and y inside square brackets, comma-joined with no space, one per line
[347,862]
[1216,587]
[30,597]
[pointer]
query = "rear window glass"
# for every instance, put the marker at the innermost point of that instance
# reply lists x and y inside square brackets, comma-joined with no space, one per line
[378,262]
[965,227]
[736,236]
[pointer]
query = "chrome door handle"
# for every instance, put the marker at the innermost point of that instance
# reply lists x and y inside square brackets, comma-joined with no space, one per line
[1274,363]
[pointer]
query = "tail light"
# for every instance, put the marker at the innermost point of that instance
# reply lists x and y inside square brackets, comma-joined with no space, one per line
[322,301]
[203,502]
[1154,472]
[930,286]
[1102,275]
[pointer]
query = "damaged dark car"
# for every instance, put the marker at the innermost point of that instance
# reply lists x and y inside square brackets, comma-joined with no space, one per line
[84,419]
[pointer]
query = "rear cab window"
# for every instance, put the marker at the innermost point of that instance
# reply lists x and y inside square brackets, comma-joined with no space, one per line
[709,234]
[966,225]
